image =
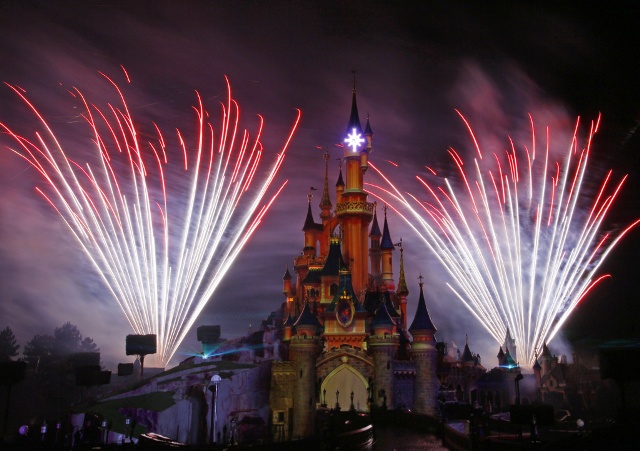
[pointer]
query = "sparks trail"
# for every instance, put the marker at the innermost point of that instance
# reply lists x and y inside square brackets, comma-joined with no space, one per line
[519,235]
[161,233]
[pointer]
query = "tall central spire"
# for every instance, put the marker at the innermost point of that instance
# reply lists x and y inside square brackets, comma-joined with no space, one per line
[352,209]
[354,119]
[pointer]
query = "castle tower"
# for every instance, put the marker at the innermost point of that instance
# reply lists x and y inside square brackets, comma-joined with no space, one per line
[310,228]
[383,344]
[374,250]
[510,344]
[303,349]
[353,210]
[402,292]
[325,209]
[423,354]
[287,290]
[386,251]
[545,360]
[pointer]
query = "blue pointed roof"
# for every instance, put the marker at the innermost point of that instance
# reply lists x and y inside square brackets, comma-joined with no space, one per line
[289,321]
[386,242]
[466,354]
[367,128]
[340,181]
[309,223]
[389,304]
[333,262]
[375,228]
[422,320]
[354,119]
[287,274]
[307,318]
[312,278]
[382,317]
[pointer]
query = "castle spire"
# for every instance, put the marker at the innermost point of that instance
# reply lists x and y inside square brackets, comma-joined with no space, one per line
[374,250]
[325,202]
[424,353]
[402,291]
[386,249]
[402,283]
[354,120]
[422,321]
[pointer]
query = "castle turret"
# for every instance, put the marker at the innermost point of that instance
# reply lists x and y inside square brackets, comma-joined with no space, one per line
[325,209]
[423,354]
[353,210]
[310,228]
[339,185]
[545,359]
[286,283]
[386,251]
[510,344]
[303,350]
[467,358]
[374,250]
[402,292]
[383,344]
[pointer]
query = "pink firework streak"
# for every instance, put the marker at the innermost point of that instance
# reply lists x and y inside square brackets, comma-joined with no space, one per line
[520,238]
[160,253]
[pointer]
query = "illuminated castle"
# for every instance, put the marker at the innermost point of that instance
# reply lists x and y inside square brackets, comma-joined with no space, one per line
[344,323]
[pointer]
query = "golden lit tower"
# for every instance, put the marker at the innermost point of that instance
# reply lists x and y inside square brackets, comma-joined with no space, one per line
[352,209]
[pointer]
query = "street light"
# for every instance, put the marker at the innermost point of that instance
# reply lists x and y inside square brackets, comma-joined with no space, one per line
[215,380]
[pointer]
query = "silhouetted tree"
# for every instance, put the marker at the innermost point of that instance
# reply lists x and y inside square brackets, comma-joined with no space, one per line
[8,344]
[44,350]
[39,351]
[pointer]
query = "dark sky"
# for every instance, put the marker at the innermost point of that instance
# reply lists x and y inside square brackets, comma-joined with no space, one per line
[494,62]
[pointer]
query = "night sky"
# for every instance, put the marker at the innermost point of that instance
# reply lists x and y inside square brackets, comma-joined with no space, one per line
[414,66]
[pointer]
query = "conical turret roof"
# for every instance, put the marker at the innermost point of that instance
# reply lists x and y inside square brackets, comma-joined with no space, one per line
[422,320]
[386,242]
[340,181]
[367,129]
[382,317]
[375,228]
[307,318]
[333,262]
[466,354]
[354,119]
[309,223]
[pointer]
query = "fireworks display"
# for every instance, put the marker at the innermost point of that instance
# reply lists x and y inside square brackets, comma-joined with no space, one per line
[161,224]
[521,236]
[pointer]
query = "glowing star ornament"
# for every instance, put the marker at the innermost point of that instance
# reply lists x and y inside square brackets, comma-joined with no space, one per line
[354,140]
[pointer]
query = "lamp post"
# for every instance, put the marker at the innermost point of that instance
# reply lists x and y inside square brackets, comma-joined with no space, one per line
[215,380]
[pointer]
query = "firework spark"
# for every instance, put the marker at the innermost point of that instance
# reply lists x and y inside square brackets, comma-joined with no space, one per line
[520,236]
[160,252]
